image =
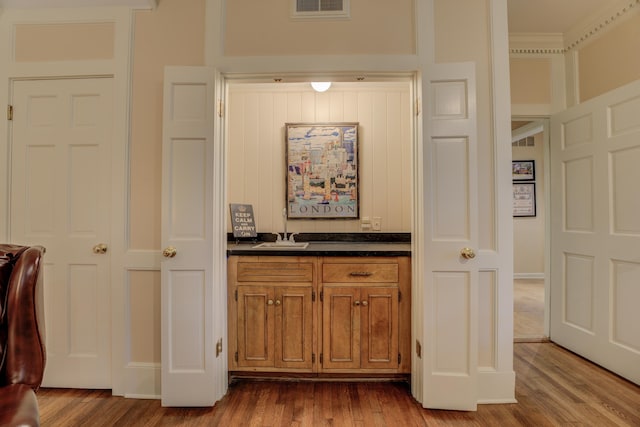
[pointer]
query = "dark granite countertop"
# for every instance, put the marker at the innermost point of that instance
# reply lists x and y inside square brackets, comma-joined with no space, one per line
[339,244]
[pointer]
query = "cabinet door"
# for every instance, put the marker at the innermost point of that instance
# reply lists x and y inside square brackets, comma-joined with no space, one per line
[255,326]
[340,328]
[293,328]
[379,328]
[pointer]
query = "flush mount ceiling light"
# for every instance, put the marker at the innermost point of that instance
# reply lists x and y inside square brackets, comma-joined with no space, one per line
[320,86]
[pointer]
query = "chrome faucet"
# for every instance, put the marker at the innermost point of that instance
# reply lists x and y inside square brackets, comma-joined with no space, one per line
[284,239]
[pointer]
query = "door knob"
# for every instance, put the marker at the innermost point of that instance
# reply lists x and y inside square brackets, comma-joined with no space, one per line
[356,303]
[467,253]
[365,303]
[100,248]
[270,302]
[278,302]
[169,252]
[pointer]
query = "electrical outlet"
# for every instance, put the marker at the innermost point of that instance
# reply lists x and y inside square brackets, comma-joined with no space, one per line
[365,223]
[376,224]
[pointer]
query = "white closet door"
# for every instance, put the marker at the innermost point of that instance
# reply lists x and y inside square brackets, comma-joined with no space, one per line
[595,230]
[188,337]
[60,198]
[450,341]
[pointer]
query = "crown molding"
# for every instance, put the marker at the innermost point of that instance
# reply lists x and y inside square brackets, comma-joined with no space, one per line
[599,23]
[536,43]
[585,31]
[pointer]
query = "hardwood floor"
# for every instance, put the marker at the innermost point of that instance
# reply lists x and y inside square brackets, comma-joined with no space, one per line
[553,387]
[528,310]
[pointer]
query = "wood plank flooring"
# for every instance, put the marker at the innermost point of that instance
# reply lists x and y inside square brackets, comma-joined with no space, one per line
[528,310]
[553,387]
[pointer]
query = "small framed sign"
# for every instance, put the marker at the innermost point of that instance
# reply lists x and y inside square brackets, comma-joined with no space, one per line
[524,199]
[242,221]
[523,170]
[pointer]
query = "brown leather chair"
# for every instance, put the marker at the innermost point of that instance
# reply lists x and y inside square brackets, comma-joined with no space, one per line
[22,349]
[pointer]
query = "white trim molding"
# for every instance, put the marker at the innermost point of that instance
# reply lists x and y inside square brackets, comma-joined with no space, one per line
[586,31]
[597,25]
[118,68]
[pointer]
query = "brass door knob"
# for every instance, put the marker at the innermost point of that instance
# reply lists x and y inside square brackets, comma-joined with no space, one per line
[100,249]
[169,252]
[270,302]
[365,303]
[278,302]
[467,253]
[356,303]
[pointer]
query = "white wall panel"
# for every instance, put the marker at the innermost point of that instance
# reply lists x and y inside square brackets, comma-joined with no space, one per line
[84,187]
[625,314]
[186,350]
[256,149]
[487,315]
[579,282]
[577,131]
[578,195]
[40,193]
[625,200]
[451,188]
[624,117]
[452,289]
[83,311]
[188,170]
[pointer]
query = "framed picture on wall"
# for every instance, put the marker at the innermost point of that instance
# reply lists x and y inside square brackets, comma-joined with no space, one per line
[523,170]
[524,199]
[322,171]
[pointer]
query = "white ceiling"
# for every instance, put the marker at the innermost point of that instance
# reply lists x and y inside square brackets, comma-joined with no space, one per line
[552,16]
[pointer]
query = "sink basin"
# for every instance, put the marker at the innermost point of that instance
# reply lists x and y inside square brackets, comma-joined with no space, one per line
[282,245]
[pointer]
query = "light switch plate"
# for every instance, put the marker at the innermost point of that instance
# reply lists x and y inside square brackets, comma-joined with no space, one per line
[376,224]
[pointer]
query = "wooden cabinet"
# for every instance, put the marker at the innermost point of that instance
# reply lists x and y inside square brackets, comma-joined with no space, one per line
[271,322]
[363,329]
[352,312]
[360,328]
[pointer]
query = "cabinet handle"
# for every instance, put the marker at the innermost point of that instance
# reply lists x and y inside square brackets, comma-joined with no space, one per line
[270,302]
[365,303]
[356,303]
[361,273]
[277,302]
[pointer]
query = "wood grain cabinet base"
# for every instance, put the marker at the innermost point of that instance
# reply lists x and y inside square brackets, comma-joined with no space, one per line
[319,315]
[365,315]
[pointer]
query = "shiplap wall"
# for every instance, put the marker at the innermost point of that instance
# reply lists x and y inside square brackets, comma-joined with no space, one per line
[257,115]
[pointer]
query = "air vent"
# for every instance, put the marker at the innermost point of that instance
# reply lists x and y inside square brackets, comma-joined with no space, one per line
[320,9]
[524,142]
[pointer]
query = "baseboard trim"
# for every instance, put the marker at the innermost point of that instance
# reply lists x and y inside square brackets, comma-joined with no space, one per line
[528,276]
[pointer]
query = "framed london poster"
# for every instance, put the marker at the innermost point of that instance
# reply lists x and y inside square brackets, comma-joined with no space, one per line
[322,171]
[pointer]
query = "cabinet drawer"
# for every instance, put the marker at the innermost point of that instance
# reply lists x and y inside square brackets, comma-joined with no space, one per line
[360,273]
[275,272]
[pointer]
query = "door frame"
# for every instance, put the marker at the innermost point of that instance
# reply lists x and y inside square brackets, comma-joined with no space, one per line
[537,125]
[496,382]
[117,69]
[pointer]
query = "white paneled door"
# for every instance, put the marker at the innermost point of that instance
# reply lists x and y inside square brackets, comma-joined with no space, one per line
[188,337]
[451,239]
[595,230]
[60,193]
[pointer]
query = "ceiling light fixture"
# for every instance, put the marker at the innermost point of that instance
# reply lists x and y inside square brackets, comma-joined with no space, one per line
[320,86]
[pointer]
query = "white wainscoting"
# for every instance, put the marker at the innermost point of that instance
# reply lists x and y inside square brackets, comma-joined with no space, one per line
[257,114]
